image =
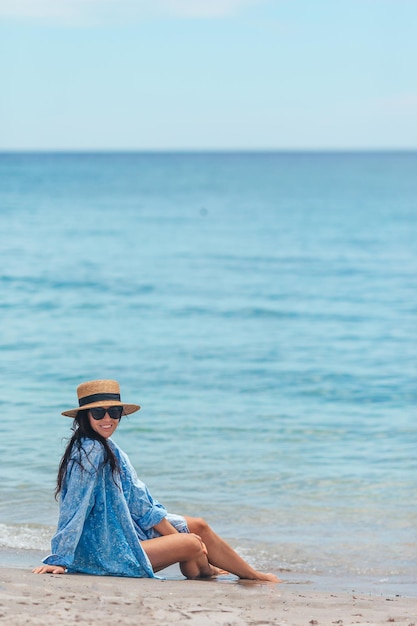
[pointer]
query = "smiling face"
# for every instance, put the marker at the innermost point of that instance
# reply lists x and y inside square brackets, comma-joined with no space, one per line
[104,427]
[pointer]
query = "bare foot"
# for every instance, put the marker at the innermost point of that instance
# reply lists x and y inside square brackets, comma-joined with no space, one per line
[218,571]
[211,572]
[271,578]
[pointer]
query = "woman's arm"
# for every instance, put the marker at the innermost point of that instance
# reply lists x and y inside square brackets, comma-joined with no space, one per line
[165,527]
[145,510]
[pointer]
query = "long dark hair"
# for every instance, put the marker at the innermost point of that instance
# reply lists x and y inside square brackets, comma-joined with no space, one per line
[81,428]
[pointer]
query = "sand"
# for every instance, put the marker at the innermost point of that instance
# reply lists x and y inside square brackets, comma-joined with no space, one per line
[27,598]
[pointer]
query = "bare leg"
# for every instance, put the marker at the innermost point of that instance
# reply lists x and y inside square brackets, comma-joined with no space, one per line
[186,549]
[221,555]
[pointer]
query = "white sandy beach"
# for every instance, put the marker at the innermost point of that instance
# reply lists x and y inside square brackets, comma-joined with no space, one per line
[29,599]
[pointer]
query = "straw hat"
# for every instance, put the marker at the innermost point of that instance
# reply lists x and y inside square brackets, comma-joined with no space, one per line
[100,393]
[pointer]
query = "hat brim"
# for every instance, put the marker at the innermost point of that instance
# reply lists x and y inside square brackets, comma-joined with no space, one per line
[127,408]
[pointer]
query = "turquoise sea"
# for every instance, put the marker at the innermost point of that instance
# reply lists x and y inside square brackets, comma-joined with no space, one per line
[261,307]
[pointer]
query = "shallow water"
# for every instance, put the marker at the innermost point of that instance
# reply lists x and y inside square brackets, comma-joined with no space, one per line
[261,308]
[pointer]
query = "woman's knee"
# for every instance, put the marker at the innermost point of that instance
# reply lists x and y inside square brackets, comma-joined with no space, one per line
[198,525]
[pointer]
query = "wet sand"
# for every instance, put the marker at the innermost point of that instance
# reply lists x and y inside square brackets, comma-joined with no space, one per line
[30,599]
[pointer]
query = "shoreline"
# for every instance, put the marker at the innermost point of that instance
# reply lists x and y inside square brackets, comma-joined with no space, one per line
[27,598]
[25,560]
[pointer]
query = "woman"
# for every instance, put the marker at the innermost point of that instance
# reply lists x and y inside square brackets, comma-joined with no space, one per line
[109,524]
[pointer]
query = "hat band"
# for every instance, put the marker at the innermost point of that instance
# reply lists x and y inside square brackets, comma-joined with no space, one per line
[96,397]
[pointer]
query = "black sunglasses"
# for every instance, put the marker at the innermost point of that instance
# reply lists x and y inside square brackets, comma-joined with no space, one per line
[98,412]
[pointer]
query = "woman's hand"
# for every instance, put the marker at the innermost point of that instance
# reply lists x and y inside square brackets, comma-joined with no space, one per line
[49,569]
[203,545]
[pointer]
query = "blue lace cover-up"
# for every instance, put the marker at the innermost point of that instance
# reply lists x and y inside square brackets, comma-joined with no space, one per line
[103,520]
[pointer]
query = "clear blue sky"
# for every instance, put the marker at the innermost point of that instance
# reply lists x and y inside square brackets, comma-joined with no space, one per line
[208,74]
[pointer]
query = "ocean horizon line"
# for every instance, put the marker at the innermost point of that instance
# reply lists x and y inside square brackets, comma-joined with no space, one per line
[205,151]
